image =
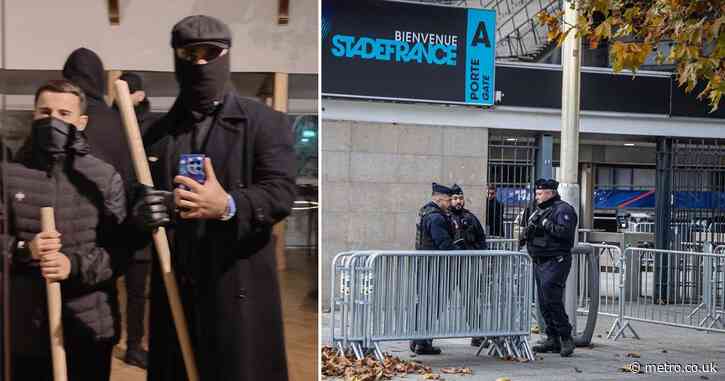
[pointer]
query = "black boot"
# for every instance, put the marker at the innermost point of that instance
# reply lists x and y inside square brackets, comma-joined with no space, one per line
[551,344]
[136,356]
[477,341]
[426,348]
[567,346]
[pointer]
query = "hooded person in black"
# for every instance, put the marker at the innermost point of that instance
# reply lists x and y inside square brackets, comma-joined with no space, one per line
[219,231]
[104,132]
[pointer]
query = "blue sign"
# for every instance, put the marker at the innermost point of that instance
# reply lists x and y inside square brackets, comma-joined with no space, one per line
[481,55]
[408,52]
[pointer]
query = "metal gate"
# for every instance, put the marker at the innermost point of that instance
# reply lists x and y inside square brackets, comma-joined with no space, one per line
[690,209]
[690,194]
[511,175]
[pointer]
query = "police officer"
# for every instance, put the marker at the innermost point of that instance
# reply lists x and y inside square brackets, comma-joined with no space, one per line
[549,237]
[468,233]
[433,232]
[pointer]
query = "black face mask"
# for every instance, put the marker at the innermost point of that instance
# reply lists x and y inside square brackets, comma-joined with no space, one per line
[202,86]
[52,135]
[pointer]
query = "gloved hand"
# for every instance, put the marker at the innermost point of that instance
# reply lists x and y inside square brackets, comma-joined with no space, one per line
[151,207]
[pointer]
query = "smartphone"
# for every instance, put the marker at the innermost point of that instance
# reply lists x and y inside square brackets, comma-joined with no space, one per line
[192,166]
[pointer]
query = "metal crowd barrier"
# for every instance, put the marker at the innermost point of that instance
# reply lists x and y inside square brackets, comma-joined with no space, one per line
[600,288]
[675,288]
[641,227]
[406,295]
[507,244]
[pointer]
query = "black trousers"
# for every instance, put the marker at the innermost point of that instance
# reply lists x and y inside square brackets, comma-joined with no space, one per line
[550,274]
[87,360]
[136,276]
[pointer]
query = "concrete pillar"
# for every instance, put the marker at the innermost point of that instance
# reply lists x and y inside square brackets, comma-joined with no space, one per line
[569,158]
[280,101]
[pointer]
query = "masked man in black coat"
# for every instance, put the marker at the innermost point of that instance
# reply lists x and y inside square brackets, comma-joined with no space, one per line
[222,250]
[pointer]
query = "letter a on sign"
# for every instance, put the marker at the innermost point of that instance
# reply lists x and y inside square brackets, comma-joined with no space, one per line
[481,36]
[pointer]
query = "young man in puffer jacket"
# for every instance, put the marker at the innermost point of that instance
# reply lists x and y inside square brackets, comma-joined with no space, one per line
[54,169]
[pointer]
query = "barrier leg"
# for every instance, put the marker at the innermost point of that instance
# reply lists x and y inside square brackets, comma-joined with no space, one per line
[357,350]
[699,307]
[378,353]
[340,349]
[623,327]
[527,349]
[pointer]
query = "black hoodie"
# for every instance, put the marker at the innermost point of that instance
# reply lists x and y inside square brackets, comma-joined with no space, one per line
[104,131]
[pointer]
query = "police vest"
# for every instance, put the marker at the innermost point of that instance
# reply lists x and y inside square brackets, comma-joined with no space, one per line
[423,240]
[540,243]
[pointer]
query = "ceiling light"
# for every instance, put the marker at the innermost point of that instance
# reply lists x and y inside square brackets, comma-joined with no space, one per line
[511,139]
[629,144]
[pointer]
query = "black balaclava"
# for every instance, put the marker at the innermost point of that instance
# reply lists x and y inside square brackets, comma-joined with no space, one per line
[52,135]
[202,86]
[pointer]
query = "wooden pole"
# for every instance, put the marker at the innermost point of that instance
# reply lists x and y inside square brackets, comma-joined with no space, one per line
[143,174]
[55,323]
[280,101]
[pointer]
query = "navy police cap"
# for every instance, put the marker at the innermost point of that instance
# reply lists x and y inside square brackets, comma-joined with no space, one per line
[442,189]
[546,184]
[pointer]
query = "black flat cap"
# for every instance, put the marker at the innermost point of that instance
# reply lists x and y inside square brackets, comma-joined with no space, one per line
[441,189]
[546,184]
[201,29]
[455,189]
[135,83]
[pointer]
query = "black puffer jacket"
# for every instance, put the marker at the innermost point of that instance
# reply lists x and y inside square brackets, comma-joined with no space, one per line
[89,203]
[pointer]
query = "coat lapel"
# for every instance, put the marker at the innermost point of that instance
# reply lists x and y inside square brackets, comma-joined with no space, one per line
[223,137]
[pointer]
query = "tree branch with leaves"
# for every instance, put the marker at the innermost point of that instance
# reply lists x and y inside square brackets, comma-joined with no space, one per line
[635,29]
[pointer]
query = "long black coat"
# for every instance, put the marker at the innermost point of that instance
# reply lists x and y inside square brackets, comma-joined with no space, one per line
[226,270]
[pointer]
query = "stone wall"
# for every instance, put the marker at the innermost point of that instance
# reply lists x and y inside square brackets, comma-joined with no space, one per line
[375,177]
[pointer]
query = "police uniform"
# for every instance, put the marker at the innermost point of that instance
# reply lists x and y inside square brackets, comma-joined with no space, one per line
[433,232]
[468,234]
[549,237]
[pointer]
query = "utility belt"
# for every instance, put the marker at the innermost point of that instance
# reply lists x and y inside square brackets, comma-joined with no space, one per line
[539,259]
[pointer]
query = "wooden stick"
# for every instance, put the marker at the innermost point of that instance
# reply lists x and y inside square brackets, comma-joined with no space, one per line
[55,324]
[143,174]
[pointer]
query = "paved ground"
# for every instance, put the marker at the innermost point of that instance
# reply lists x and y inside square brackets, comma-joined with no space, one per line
[300,323]
[658,345]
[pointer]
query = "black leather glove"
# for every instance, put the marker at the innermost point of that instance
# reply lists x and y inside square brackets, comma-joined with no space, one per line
[151,207]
